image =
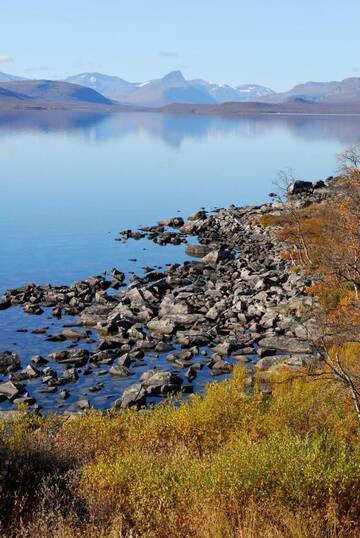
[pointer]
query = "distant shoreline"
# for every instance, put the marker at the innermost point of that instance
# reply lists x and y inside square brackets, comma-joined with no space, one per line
[230,110]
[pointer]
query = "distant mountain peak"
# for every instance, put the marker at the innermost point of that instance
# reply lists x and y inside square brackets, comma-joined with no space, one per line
[5,77]
[174,77]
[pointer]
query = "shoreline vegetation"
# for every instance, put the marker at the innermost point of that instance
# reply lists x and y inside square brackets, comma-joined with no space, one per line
[274,450]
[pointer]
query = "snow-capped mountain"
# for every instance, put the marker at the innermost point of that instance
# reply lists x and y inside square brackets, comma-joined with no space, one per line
[254,92]
[110,86]
[172,88]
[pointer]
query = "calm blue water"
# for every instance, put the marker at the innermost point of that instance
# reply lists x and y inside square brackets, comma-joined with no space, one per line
[70,182]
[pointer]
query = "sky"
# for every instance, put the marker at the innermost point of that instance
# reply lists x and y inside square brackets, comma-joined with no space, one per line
[277,43]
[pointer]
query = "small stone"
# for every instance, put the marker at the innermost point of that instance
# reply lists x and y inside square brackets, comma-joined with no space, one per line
[64,394]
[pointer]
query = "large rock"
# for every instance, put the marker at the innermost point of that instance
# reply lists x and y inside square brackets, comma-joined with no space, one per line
[173,222]
[160,382]
[133,396]
[161,326]
[179,313]
[118,313]
[120,371]
[290,361]
[198,250]
[71,375]
[299,187]
[199,215]
[224,348]
[71,334]
[94,314]
[215,256]
[30,372]
[286,344]
[10,390]
[4,304]
[9,359]
[77,357]
[192,338]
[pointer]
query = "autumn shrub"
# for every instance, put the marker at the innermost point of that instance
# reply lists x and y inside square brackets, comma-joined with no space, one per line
[201,468]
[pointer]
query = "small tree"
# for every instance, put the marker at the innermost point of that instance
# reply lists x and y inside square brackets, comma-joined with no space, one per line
[326,238]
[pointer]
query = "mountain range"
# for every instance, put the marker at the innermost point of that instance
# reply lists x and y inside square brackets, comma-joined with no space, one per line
[172,88]
[174,93]
[344,91]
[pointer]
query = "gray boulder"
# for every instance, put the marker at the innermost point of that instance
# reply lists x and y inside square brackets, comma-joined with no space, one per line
[9,359]
[161,326]
[133,396]
[71,375]
[10,390]
[216,256]
[173,222]
[30,372]
[120,371]
[76,357]
[197,250]
[159,382]
[286,344]
[299,187]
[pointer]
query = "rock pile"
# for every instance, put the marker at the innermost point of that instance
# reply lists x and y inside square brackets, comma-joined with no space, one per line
[237,301]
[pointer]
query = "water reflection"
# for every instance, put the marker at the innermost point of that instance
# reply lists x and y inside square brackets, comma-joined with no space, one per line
[174,130]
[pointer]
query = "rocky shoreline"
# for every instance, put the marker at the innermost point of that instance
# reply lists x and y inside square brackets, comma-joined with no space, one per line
[238,301]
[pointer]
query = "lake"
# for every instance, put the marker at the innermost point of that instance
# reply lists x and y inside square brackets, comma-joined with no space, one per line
[70,182]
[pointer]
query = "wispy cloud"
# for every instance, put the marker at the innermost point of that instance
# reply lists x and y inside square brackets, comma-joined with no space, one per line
[356,69]
[5,59]
[168,54]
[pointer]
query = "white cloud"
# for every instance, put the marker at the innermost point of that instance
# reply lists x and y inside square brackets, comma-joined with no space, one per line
[5,59]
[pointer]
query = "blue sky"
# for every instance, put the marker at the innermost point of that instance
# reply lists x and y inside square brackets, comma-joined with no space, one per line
[273,42]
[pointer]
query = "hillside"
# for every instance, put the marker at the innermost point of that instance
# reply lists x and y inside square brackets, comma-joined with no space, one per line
[334,92]
[295,106]
[51,94]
